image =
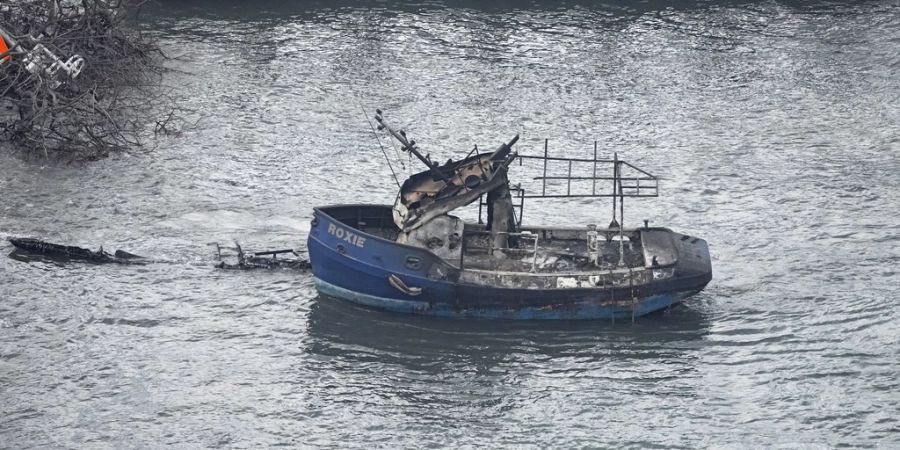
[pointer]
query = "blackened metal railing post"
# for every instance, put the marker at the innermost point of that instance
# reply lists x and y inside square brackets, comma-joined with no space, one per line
[594,181]
[615,175]
[480,203]
[621,217]
[462,251]
[544,181]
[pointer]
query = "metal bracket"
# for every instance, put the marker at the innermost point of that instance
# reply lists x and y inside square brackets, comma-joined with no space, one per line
[397,283]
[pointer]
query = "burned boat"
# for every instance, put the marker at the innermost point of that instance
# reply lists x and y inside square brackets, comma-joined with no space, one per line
[416,257]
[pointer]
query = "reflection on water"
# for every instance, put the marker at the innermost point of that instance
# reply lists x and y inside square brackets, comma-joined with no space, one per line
[339,329]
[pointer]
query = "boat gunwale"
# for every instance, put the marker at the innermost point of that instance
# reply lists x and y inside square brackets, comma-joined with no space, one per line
[529,228]
[319,210]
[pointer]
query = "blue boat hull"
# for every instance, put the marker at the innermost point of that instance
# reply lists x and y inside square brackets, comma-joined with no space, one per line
[578,311]
[355,266]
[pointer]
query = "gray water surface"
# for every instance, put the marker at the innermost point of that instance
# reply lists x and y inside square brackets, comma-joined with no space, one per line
[774,128]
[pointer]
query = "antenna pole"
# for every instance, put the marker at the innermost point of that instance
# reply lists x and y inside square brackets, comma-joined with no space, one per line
[410,146]
[383,152]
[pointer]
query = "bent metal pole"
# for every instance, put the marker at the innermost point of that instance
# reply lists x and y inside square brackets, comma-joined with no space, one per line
[410,146]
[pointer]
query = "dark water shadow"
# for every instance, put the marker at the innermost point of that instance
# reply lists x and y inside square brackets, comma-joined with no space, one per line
[280,9]
[257,27]
[340,329]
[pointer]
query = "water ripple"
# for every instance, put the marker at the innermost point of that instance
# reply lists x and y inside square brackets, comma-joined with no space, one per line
[772,125]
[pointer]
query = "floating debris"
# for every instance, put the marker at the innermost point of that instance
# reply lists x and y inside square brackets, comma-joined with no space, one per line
[243,260]
[262,260]
[72,253]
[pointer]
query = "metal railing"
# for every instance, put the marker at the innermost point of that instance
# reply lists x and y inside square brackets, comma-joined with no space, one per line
[627,179]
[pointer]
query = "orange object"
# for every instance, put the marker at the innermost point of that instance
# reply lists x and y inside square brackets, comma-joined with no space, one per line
[3,49]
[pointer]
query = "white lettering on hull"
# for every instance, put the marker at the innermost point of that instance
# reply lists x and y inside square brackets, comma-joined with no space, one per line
[352,238]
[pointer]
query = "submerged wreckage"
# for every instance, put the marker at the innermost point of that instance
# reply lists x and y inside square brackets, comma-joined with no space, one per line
[415,257]
[28,248]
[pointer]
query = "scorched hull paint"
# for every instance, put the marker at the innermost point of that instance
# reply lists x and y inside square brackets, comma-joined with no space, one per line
[576,311]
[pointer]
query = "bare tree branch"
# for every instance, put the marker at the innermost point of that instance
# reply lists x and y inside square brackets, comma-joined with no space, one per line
[80,81]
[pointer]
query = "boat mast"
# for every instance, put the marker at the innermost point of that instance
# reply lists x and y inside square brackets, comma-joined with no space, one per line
[410,146]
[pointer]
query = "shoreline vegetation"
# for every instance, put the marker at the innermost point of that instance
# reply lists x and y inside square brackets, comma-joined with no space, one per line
[79,80]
